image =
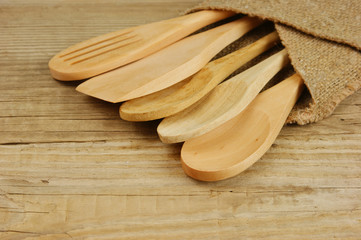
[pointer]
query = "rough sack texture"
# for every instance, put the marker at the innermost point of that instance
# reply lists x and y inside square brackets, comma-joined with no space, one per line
[323,39]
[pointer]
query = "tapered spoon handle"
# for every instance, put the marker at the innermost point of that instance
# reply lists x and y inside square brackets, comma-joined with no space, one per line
[221,68]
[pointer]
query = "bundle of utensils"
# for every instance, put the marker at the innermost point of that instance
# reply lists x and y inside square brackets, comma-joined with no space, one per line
[163,71]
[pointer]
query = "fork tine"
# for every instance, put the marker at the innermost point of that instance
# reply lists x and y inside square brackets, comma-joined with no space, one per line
[88,45]
[105,50]
[113,50]
[97,46]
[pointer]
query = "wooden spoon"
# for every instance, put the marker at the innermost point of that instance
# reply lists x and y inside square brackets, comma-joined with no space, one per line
[106,52]
[176,98]
[223,103]
[166,67]
[235,145]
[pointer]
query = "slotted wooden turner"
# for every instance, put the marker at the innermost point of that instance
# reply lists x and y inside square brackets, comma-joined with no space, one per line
[112,50]
[166,67]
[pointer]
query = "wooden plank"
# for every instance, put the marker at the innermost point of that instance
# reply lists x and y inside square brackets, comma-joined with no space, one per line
[71,169]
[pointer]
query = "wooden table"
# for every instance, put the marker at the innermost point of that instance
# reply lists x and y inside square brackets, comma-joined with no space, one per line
[70,168]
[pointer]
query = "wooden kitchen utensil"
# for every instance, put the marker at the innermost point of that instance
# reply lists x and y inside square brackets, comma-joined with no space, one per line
[176,98]
[112,50]
[223,103]
[238,143]
[166,67]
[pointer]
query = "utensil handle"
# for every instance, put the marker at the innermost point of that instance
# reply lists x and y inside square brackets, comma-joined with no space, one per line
[258,75]
[200,19]
[221,68]
[284,96]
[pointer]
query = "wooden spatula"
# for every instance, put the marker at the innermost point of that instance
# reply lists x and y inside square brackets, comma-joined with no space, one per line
[223,103]
[176,98]
[167,66]
[238,143]
[112,50]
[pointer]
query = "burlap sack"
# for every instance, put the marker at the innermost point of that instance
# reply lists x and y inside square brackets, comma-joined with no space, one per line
[323,39]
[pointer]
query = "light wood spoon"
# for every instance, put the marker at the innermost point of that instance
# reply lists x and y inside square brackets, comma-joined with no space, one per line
[237,144]
[167,66]
[176,98]
[223,103]
[106,52]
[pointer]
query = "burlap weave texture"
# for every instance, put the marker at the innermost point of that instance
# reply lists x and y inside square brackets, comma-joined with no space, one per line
[323,40]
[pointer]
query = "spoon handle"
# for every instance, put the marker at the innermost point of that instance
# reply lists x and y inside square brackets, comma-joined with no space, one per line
[284,96]
[216,71]
[257,76]
[221,68]
[194,21]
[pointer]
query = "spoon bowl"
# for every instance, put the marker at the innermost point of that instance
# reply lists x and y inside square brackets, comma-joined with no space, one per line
[224,157]
[238,143]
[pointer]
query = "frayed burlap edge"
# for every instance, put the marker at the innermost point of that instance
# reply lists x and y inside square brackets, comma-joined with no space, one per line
[314,109]
[275,20]
[307,110]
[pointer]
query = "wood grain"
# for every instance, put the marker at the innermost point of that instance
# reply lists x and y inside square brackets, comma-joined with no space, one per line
[168,66]
[116,49]
[238,143]
[226,101]
[71,169]
[182,95]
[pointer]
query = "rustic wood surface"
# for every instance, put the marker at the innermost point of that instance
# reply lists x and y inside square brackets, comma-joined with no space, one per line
[70,168]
